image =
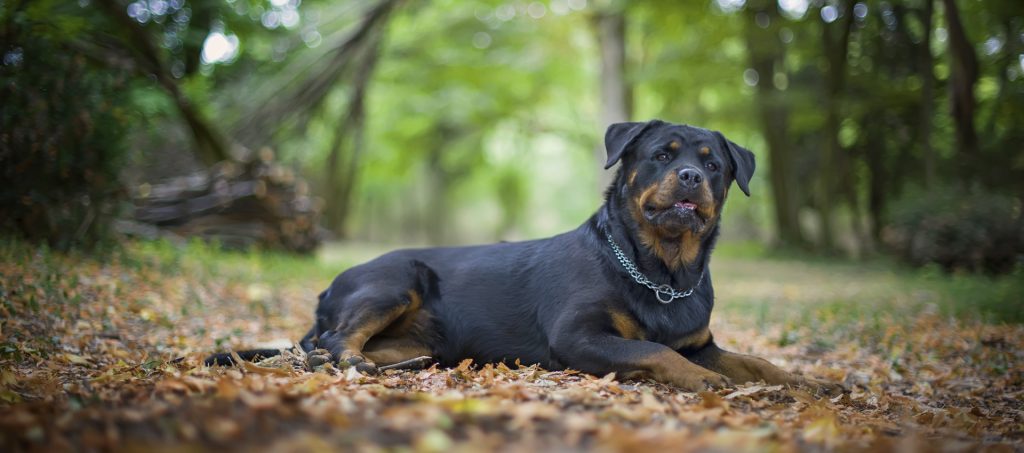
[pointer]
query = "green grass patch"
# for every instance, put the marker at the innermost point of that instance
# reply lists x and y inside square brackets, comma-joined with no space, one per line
[749,280]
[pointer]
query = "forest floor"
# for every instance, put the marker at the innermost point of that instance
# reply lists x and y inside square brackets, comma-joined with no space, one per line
[931,363]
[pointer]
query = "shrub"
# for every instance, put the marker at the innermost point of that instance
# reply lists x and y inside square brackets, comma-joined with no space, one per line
[958,230]
[62,125]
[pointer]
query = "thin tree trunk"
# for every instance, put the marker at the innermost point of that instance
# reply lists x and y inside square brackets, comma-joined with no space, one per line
[833,176]
[963,76]
[616,92]
[1009,56]
[926,65]
[874,156]
[765,52]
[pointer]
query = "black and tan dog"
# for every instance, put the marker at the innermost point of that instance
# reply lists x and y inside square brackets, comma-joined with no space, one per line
[629,291]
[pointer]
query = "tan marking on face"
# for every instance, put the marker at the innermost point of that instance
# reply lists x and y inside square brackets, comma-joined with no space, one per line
[632,178]
[693,341]
[674,251]
[675,145]
[704,150]
[627,326]
[687,248]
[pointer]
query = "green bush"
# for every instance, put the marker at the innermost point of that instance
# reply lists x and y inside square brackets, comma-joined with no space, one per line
[958,230]
[62,126]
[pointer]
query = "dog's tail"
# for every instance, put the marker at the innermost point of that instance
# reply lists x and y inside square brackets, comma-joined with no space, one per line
[251,355]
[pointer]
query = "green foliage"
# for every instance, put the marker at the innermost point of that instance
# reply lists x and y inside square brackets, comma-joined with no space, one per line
[483,116]
[955,229]
[63,126]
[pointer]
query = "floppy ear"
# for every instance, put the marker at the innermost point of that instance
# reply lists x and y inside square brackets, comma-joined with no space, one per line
[742,161]
[621,136]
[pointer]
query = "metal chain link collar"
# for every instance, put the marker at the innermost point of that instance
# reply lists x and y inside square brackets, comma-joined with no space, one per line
[665,294]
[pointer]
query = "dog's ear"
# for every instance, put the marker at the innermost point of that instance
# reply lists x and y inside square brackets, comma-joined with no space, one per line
[620,136]
[742,161]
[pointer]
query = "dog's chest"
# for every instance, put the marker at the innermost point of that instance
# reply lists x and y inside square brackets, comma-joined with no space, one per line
[681,324]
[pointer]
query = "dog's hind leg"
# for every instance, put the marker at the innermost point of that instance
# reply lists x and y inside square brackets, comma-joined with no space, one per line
[364,318]
[383,318]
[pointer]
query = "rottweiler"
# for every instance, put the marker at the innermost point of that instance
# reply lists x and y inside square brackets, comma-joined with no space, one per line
[629,291]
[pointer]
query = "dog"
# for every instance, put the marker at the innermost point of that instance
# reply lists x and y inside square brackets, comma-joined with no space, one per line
[629,291]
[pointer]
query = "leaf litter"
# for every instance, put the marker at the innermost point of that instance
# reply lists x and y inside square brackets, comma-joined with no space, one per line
[107,356]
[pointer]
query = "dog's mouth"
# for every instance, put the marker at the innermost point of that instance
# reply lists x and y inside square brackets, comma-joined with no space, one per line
[682,207]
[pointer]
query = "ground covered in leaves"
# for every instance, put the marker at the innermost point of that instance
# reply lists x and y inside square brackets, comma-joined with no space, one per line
[88,349]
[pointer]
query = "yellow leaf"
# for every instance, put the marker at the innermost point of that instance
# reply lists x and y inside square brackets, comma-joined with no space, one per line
[464,366]
[823,431]
[76,359]
[711,400]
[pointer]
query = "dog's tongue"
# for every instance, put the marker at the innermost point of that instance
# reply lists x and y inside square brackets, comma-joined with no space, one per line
[685,205]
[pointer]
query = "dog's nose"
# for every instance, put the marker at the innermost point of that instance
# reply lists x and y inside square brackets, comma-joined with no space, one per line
[690,178]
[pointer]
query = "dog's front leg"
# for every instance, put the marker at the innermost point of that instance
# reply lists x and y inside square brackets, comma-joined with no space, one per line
[601,354]
[747,368]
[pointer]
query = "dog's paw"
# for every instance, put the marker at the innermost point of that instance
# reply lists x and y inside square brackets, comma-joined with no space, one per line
[317,358]
[354,359]
[697,382]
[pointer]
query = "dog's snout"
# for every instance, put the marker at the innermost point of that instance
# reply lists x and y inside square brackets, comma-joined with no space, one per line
[690,177]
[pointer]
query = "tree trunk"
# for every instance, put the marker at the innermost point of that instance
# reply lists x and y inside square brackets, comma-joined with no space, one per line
[1008,57]
[963,76]
[616,92]
[766,52]
[874,156]
[833,169]
[926,65]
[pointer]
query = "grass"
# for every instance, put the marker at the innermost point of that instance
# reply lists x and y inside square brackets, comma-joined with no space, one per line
[749,279]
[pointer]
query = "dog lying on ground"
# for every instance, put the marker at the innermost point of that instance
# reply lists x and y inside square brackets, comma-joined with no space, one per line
[629,291]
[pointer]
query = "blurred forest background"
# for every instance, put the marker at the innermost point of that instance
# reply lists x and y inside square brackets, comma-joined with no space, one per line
[878,125]
[885,131]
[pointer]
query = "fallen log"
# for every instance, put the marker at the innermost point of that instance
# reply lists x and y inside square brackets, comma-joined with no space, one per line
[238,204]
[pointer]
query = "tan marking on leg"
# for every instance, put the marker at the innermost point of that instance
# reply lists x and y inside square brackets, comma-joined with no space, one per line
[693,341]
[406,320]
[386,351]
[357,337]
[415,301]
[627,326]
[747,368]
[672,368]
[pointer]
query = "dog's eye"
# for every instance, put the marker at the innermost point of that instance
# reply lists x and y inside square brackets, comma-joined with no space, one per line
[662,157]
[711,166]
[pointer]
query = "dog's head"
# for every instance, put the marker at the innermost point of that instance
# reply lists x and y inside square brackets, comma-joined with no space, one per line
[673,181]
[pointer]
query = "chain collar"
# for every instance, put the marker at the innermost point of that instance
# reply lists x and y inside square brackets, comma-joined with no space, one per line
[665,294]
